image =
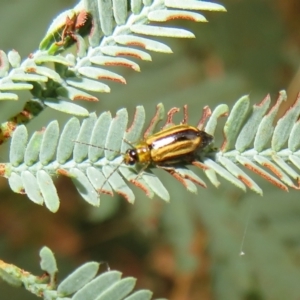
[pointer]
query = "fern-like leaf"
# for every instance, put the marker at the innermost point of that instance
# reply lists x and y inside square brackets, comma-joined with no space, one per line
[94,162]
[91,154]
[83,283]
[113,34]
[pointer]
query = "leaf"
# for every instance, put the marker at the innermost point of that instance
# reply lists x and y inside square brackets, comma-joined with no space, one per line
[65,144]
[66,107]
[44,71]
[8,96]
[140,295]
[115,134]
[16,183]
[98,73]
[97,285]
[194,5]
[49,143]
[79,278]
[75,94]
[48,190]
[31,187]
[83,136]
[15,86]
[14,58]
[99,136]
[168,15]
[106,16]
[48,262]
[119,290]
[261,146]
[82,283]
[114,61]
[161,31]
[84,187]
[17,147]
[87,84]
[92,154]
[148,44]
[55,75]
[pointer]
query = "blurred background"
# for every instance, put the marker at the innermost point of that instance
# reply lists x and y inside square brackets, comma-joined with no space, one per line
[187,249]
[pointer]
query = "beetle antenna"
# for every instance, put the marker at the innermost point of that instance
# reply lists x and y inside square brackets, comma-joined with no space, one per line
[112,172]
[92,145]
[128,143]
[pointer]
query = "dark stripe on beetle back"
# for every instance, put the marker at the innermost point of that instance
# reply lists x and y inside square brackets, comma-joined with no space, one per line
[183,135]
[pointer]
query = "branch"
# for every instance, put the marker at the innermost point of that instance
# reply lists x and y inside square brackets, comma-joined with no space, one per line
[83,283]
[56,80]
[91,154]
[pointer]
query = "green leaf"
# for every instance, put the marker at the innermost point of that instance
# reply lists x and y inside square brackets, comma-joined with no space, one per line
[79,278]
[84,187]
[80,150]
[48,190]
[102,282]
[161,31]
[140,295]
[8,96]
[15,86]
[87,84]
[106,16]
[66,141]
[48,262]
[93,154]
[66,107]
[117,183]
[166,15]
[82,283]
[18,144]
[119,290]
[16,183]
[99,136]
[266,128]
[51,75]
[194,5]
[285,124]
[115,134]
[99,73]
[14,58]
[75,94]
[148,44]
[237,117]
[31,187]
[49,143]
[248,132]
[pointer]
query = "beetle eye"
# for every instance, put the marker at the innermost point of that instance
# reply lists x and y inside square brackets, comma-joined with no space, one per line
[133,157]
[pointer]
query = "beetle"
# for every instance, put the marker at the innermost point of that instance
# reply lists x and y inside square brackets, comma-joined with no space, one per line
[172,145]
[169,146]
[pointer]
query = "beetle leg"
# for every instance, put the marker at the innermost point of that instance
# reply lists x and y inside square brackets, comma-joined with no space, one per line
[177,176]
[141,171]
[183,177]
[200,165]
